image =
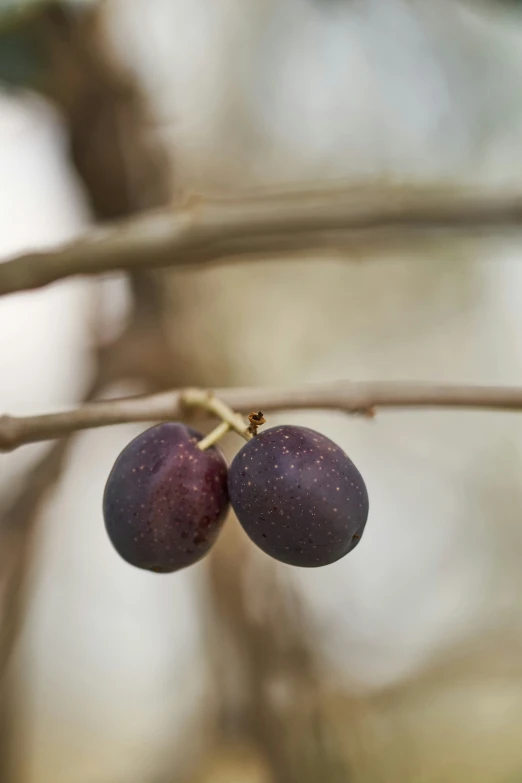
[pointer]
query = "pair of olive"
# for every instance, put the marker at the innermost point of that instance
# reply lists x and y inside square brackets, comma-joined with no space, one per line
[296,494]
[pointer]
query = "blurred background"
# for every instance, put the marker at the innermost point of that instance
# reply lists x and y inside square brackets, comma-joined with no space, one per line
[402,662]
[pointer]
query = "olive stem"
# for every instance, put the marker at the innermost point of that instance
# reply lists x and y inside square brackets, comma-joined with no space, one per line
[213,437]
[197,398]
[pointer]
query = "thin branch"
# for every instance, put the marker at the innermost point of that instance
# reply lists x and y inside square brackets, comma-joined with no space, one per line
[270,224]
[355,398]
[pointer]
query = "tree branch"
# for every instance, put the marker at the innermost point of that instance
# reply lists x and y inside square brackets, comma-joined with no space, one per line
[269,224]
[355,398]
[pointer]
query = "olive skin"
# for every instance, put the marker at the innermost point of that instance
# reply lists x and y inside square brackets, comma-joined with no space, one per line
[298,496]
[165,500]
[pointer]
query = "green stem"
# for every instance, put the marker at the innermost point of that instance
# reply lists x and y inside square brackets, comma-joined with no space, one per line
[214,436]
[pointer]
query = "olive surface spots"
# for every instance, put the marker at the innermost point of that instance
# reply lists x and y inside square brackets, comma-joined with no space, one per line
[289,480]
[162,491]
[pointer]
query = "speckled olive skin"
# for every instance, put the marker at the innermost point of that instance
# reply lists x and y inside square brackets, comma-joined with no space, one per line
[165,500]
[298,496]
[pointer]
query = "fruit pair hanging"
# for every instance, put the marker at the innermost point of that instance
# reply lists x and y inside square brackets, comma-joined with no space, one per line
[296,494]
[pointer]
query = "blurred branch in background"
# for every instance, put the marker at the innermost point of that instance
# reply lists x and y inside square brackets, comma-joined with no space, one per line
[342,396]
[270,652]
[12,12]
[18,527]
[64,57]
[263,225]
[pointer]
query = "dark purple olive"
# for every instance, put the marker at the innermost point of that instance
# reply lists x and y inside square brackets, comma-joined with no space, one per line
[165,500]
[298,496]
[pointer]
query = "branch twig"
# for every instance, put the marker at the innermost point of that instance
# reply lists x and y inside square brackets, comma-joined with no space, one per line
[355,398]
[263,225]
[207,401]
